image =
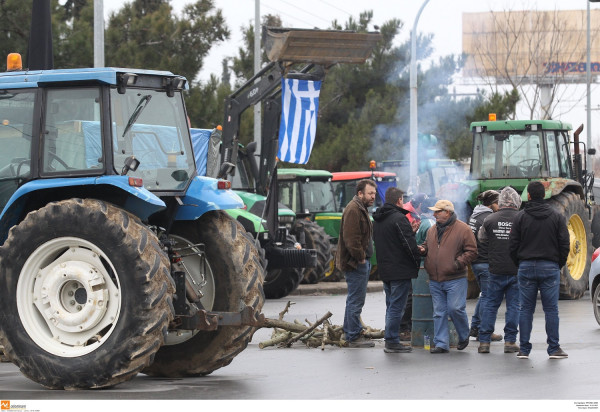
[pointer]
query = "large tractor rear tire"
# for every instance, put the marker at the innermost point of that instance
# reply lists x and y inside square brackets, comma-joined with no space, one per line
[281,282]
[596,226]
[86,295]
[574,276]
[317,239]
[232,274]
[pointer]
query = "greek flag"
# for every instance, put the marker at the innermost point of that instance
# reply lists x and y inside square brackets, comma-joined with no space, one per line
[300,105]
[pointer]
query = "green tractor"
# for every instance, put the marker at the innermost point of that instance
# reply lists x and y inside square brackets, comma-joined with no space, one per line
[516,152]
[309,193]
[285,265]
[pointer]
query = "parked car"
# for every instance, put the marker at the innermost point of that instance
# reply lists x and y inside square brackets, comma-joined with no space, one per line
[595,284]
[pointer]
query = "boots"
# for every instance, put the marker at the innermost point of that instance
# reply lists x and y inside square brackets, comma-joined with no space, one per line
[484,347]
[510,347]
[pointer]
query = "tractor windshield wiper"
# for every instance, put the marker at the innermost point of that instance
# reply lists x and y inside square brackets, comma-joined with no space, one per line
[136,113]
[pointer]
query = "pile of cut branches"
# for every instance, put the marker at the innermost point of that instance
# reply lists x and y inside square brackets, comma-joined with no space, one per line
[313,335]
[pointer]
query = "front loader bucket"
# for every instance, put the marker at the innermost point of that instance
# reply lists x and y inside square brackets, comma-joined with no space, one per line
[324,47]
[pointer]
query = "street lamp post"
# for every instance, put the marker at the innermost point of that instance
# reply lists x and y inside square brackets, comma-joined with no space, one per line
[413,103]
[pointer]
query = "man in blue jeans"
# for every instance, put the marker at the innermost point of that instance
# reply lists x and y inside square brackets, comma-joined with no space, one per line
[449,248]
[398,260]
[539,245]
[481,266]
[355,247]
[493,235]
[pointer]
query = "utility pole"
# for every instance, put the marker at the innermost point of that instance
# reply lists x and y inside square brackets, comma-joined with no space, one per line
[99,33]
[413,103]
[257,107]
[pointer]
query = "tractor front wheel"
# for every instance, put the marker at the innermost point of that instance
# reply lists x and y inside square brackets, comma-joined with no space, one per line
[86,295]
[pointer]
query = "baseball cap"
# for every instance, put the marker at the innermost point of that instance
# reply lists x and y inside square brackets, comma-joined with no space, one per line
[443,205]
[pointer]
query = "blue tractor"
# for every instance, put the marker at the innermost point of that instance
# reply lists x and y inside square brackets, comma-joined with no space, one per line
[116,257]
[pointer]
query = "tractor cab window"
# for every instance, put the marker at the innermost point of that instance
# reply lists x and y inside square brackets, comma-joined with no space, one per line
[72,139]
[501,155]
[318,196]
[16,121]
[289,195]
[564,155]
[152,127]
[344,192]
[553,155]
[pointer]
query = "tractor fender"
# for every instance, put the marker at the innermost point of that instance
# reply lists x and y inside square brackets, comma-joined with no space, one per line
[137,200]
[203,195]
[555,186]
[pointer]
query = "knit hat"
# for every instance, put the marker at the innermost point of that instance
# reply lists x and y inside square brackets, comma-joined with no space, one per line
[509,198]
[488,198]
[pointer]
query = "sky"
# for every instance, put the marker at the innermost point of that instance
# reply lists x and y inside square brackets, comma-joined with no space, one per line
[442,18]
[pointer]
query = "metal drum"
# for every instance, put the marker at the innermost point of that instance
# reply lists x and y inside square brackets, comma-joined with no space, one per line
[422,312]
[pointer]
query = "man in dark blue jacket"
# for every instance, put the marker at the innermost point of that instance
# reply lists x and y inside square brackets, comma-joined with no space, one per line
[539,245]
[398,262]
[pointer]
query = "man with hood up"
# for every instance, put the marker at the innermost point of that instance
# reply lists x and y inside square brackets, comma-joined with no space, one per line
[493,235]
[398,262]
[480,266]
[539,245]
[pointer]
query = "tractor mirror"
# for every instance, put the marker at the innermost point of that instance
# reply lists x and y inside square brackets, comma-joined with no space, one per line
[592,151]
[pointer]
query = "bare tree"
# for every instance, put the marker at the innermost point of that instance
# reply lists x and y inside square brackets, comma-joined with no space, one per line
[535,52]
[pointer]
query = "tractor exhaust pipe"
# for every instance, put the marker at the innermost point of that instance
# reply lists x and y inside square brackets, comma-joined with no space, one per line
[577,162]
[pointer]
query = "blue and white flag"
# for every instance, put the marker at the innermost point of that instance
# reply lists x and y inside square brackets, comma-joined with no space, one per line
[300,105]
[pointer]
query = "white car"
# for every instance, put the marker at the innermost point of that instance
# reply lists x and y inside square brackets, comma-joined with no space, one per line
[595,284]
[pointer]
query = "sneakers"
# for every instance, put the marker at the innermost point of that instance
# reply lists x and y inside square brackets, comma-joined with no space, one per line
[522,355]
[396,348]
[361,342]
[435,349]
[463,344]
[484,347]
[510,347]
[559,354]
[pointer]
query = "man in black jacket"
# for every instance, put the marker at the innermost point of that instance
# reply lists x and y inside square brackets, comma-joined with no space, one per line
[539,245]
[398,261]
[493,236]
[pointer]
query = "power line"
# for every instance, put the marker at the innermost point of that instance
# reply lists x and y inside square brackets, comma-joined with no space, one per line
[288,15]
[304,11]
[337,8]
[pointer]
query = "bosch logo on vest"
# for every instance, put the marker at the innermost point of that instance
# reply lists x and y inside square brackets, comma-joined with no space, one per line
[505,224]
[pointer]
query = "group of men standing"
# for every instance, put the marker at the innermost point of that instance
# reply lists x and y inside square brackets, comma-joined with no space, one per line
[513,254]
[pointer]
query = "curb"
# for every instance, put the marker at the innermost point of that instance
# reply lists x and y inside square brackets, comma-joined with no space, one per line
[332,288]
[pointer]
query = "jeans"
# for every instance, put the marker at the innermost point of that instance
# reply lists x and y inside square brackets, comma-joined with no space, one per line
[482,275]
[542,275]
[396,295]
[500,286]
[449,299]
[357,281]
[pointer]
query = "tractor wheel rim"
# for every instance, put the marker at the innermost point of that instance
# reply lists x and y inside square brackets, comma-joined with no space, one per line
[68,296]
[578,247]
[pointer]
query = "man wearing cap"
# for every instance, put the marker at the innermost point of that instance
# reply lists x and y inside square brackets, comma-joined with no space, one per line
[493,236]
[449,248]
[480,266]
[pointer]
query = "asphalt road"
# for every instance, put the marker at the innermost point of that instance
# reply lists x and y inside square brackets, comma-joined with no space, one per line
[300,373]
